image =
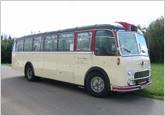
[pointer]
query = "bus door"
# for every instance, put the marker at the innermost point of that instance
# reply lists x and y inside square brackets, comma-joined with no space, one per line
[83,56]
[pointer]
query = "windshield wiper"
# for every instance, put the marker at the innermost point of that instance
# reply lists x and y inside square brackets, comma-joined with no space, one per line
[123,47]
[126,49]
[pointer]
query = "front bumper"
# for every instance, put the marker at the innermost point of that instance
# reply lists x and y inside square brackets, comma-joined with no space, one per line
[131,88]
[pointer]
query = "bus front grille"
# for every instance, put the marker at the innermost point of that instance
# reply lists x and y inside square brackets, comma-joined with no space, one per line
[141,74]
[140,77]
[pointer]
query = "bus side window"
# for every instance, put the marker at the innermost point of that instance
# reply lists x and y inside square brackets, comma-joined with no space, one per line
[51,43]
[66,42]
[28,44]
[38,43]
[84,41]
[105,43]
[20,45]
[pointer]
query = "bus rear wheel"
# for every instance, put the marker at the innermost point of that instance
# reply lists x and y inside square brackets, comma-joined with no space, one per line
[30,74]
[96,84]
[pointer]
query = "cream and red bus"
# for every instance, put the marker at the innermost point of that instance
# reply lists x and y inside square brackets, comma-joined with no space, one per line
[101,58]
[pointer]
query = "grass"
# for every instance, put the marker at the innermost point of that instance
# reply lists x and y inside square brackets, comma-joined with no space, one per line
[156,90]
[6,64]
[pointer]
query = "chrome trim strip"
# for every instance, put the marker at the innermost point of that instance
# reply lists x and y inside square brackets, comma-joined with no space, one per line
[149,82]
[142,82]
[140,63]
[134,88]
[140,78]
[146,87]
[126,87]
[127,90]
[59,52]
[134,79]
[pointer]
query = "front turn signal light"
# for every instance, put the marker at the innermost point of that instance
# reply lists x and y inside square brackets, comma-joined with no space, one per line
[118,61]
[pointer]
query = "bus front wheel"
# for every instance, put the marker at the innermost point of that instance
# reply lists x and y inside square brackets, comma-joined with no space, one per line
[96,84]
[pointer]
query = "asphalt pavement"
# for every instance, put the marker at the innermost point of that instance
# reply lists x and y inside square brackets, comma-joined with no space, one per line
[50,97]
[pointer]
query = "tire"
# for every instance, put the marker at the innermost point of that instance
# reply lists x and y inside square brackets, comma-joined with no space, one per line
[30,74]
[96,84]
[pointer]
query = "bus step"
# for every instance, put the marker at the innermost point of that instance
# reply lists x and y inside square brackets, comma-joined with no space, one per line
[82,87]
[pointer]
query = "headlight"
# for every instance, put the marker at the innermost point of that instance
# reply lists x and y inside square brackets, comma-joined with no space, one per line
[149,68]
[130,82]
[129,71]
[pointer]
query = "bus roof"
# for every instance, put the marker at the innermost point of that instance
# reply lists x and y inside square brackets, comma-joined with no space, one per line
[112,26]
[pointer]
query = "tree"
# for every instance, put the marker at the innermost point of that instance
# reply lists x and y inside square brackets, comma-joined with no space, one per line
[155,33]
[6,48]
[142,29]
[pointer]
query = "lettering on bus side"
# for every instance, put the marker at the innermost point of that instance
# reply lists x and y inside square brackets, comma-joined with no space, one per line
[81,60]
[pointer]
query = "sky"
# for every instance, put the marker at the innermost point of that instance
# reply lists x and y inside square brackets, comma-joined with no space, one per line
[20,18]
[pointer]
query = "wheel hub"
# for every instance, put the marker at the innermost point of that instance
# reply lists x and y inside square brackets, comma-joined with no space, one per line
[97,84]
[29,73]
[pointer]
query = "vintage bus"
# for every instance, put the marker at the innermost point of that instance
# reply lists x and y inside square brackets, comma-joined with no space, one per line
[100,58]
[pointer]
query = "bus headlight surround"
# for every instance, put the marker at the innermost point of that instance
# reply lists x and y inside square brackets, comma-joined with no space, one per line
[130,82]
[129,71]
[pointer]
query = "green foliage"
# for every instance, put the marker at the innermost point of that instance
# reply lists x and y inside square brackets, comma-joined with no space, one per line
[6,64]
[6,48]
[154,35]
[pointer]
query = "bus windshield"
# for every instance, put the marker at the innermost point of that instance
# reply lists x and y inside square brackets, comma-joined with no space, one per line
[142,45]
[128,44]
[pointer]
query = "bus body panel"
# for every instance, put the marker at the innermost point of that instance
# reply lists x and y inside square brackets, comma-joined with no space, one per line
[37,62]
[134,63]
[83,62]
[74,69]
[14,60]
[50,65]
[109,65]
[65,66]
[28,57]
[19,61]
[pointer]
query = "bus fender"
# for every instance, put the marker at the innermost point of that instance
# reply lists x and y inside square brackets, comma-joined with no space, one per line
[99,70]
[31,66]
